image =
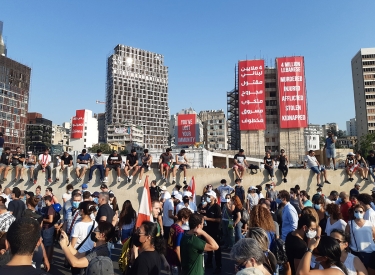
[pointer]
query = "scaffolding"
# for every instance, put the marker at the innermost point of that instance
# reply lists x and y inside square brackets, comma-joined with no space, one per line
[234,135]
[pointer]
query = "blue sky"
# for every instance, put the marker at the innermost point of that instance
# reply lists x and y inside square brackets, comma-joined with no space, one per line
[66,44]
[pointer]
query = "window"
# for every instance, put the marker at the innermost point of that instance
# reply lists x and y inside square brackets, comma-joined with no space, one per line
[267,140]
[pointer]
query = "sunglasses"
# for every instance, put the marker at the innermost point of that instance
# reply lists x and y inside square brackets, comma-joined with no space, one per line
[339,241]
[358,211]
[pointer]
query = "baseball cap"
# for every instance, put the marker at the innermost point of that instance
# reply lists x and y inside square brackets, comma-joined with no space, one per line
[250,271]
[111,195]
[357,184]
[100,265]
[163,188]
[175,192]
[187,194]
[103,186]
[84,186]
[166,195]
[95,194]
[252,188]
[211,193]
[350,154]
[178,197]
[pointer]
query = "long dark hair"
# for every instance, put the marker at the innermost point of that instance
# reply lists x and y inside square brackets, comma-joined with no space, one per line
[127,214]
[151,229]
[328,247]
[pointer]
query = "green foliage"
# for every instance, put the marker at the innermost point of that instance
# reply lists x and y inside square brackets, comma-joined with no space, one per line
[106,149]
[124,152]
[366,143]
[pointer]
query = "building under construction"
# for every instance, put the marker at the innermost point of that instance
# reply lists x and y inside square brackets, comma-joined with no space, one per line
[273,138]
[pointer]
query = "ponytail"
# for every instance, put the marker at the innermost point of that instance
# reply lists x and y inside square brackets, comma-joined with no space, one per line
[341,266]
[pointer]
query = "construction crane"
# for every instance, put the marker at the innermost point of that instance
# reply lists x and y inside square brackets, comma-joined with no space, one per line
[100,102]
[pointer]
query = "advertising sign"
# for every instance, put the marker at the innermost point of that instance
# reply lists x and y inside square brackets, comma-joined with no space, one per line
[292,92]
[251,95]
[186,129]
[78,124]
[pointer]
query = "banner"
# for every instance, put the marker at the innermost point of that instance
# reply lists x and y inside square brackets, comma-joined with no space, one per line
[186,129]
[292,92]
[78,124]
[191,188]
[144,211]
[251,95]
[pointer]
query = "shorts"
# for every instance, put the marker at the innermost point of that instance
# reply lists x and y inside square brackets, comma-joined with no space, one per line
[4,165]
[239,167]
[182,166]
[113,166]
[330,153]
[29,166]
[129,166]
[20,165]
[82,165]
[145,166]
[165,165]
[47,235]
[316,169]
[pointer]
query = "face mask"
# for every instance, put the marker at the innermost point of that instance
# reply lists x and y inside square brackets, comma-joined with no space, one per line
[75,204]
[135,240]
[97,208]
[208,200]
[317,206]
[327,214]
[310,234]
[93,237]
[96,200]
[186,223]
[186,200]
[339,200]
[228,200]
[358,215]
[319,193]
[24,199]
[271,187]
[278,201]
[210,189]
[69,192]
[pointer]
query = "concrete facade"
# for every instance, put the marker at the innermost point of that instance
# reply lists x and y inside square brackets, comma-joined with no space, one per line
[124,134]
[351,127]
[363,76]
[215,131]
[90,133]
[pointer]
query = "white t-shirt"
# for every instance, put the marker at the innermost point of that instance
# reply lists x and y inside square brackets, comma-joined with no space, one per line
[224,190]
[44,158]
[253,200]
[370,216]
[168,205]
[66,196]
[311,161]
[80,231]
[340,224]
[180,206]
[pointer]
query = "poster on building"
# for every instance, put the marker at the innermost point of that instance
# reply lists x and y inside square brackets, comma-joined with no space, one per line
[292,92]
[251,95]
[186,129]
[78,124]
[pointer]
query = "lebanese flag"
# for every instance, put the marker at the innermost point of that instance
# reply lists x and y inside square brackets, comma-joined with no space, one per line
[144,212]
[191,188]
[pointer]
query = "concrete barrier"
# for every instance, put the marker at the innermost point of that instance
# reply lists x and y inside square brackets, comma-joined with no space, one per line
[203,176]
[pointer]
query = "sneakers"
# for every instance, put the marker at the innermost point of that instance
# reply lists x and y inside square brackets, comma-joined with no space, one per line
[350,179]
[149,168]
[185,182]
[89,181]
[4,179]
[129,180]
[272,178]
[105,179]
[79,179]
[67,181]
[119,179]
[21,180]
[173,182]
[326,181]
[140,181]
[57,180]
[285,180]
[320,185]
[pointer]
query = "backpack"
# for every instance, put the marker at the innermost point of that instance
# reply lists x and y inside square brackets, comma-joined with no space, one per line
[253,167]
[124,259]
[245,217]
[277,247]
[239,191]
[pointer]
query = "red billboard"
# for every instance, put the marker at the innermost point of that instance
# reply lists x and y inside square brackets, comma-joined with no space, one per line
[78,124]
[251,95]
[186,129]
[292,92]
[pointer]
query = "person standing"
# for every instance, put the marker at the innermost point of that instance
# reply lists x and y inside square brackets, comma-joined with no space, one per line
[312,163]
[371,163]
[105,212]
[289,215]
[237,216]
[283,164]
[193,247]
[66,163]
[240,164]
[16,206]
[44,162]
[48,228]
[146,163]
[252,198]
[227,223]
[131,164]
[365,200]
[127,220]
[213,221]
[83,161]
[239,190]
[330,149]
[334,220]
[223,190]
[6,217]
[354,192]
[97,162]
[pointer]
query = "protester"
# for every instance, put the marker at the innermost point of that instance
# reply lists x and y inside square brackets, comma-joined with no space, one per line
[269,165]
[365,200]
[6,217]
[312,163]
[252,198]
[23,237]
[261,217]
[223,190]
[71,215]
[334,220]
[236,216]
[289,215]
[186,204]
[50,193]
[355,191]
[168,213]
[227,223]
[16,206]
[345,205]
[48,228]
[240,164]
[105,212]
[127,220]
[68,195]
[192,246]
[283,164]
[97,162]
[44,161]
[239,190]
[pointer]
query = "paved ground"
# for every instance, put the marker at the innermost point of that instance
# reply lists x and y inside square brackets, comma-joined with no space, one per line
[57,267]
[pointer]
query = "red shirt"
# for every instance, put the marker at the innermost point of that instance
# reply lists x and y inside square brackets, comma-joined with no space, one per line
[344,209]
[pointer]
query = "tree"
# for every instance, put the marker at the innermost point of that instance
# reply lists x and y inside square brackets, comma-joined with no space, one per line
[106,149]
[366,143]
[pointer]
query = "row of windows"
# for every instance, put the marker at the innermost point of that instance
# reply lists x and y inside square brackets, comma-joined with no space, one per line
[271,112]
[370,96]
[367,63]
[369,76]
[368,56]
[271,139]
[369,90]
[371,111]
[370,83]
[369,69]
[271,102]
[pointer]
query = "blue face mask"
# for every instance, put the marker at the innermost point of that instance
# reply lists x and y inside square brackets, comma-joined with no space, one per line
[327,214]
[358,215]
[96,200]
[339,200]
[317,206]
[208,200]
[75,204]
[278,201]
[97,208]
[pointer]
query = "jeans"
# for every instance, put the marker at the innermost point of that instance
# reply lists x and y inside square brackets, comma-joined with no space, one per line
[38,168]
[210,254]
[101,170]
[238,232]
[38,256]
[371,170]
[284,170]
[270,170]
[227,234]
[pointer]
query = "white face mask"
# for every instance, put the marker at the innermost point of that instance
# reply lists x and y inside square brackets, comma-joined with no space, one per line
[228,200]
[310,234]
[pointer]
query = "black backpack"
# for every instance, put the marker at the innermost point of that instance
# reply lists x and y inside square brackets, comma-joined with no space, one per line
[278,249]
[253,169]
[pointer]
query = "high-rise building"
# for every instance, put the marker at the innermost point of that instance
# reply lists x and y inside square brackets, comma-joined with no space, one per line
[84,130]
[3,48]
[363,75]
[137,93]
[101,127]
[214,129]
[351,127]
[38,133]
[14,98]
[332,126]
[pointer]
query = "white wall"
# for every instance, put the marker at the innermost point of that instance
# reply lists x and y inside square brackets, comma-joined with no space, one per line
[90,133]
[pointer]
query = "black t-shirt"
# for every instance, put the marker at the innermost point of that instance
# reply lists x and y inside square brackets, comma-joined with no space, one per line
[112,158]
[165,157]
[154,193]
[213,211]
[1,142]
[105,210]
[132,159]
[295,249]
[147,263]
[66,159]
[21,270]
[371,160]
[240,158]
[4,158]
[16,207]
[354,192]
[235,212]
[31,214]
[268,161]
[16,157]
